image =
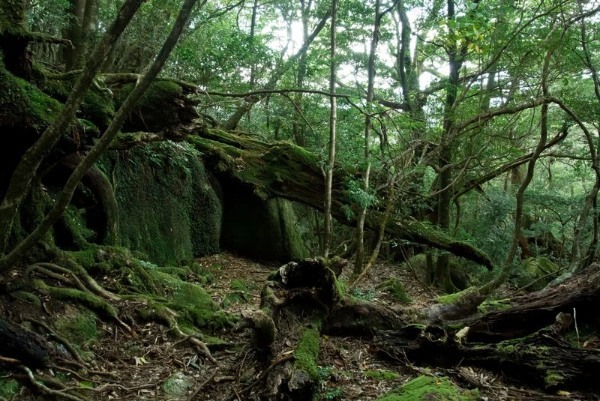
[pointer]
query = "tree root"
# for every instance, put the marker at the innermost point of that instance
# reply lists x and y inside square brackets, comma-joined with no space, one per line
[87,298]
[167,317]
[59,339]
[38,383]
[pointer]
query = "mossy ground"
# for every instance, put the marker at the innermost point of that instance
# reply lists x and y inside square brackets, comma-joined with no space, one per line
[430,388]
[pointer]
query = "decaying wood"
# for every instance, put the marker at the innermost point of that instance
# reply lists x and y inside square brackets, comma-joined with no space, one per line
[282,169]
[532,341]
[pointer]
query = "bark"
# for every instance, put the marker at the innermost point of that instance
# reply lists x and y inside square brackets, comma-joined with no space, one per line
[82,21]
[360,225]
[328,226]
[526,340]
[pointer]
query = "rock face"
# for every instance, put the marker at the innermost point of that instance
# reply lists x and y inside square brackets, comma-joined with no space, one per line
[260,229]
[168,208]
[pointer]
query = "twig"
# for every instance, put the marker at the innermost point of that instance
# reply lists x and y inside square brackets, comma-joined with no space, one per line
[201,386]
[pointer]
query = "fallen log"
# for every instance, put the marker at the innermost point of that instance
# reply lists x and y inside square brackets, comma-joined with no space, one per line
[282,169]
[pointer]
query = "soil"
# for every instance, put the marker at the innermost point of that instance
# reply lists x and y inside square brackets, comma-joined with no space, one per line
[139,364]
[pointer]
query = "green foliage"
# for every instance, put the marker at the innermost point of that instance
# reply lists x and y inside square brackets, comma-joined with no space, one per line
[8,387]
[240,293]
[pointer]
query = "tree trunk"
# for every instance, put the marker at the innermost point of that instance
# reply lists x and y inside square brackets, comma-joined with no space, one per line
[360,225]
[328,227]
[284,170]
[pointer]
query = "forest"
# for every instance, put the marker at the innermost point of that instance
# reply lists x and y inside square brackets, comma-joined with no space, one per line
[299,200]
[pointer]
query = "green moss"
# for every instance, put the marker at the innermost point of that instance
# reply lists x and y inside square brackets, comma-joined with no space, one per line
[381,374]
[456,297]
[535,273]
[553,379]
[77,228]
[307,352]
[167,207]
[490,305]
[395,288]
[86,299]
[430,388]
[79,329]
[27,297]
[23,104]
[98,107]
[159,89]
[8,387]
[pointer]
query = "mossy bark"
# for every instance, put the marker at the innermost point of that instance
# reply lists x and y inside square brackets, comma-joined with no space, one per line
[281,169]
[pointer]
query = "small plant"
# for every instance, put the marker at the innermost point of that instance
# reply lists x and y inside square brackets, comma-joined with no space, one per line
[331,394]
[324,373]
[363,295]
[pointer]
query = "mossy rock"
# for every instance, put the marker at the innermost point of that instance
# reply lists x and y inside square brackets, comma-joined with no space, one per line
[427,388]
[79,328]
[168,207]
[535,273]
[162,106]
[396,290]
[22,104]
[260,229]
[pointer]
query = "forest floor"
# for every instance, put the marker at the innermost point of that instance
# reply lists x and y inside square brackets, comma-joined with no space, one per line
[147,364]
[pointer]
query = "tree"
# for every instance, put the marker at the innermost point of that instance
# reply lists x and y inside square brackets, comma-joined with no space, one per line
[27,168]
[327,237]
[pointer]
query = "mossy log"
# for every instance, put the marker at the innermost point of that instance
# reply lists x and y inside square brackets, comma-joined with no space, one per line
[282,169]
[533,341]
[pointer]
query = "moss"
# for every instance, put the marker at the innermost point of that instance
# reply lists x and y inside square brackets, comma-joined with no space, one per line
[23,104]
[8,387]
[381,374]
[27,297]
[76,227]
[167,206]
[158,108]
[430,388]
[490,305]
[86,299]
[535,273]
[456,297]
[307,352]
[396,290]
[98,107]
[79,329]
[553,379]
